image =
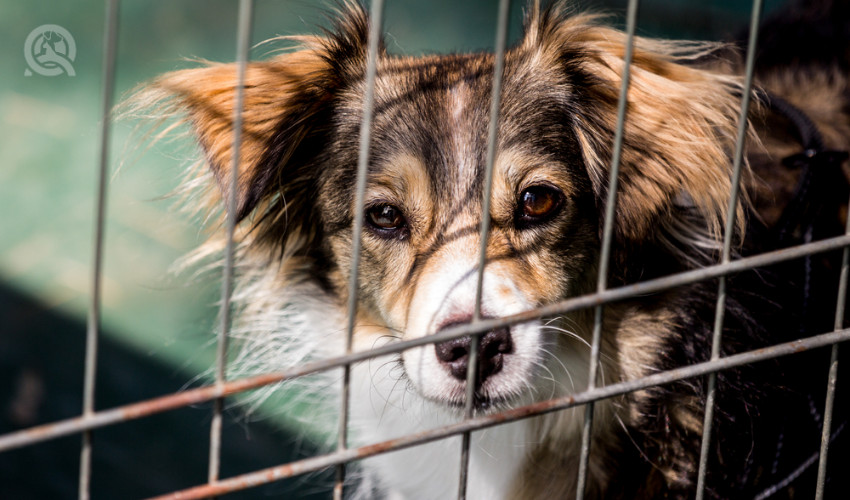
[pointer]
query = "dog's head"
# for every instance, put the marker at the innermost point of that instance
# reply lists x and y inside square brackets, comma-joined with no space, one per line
[423,203]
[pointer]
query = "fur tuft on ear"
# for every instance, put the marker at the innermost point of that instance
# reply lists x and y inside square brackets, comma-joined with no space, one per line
[345,44]
[286,115]
[281,98]
[679,136]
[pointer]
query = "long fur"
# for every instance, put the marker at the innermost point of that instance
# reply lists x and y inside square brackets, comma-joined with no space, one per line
[294,207]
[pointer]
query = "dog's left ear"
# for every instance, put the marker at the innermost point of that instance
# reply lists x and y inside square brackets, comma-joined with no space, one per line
[680,129]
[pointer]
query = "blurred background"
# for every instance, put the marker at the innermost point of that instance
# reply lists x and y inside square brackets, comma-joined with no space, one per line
[158,326]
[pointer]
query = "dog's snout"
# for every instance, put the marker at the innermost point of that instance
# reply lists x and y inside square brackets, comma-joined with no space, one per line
[494,346]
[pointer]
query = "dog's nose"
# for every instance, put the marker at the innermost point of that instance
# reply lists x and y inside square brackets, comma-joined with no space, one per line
[494,346]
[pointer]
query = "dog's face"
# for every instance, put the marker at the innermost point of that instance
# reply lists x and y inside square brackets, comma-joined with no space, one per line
[423,203]
[423,209]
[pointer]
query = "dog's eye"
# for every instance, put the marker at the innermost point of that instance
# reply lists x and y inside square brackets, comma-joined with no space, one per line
[538,204]
[386,218]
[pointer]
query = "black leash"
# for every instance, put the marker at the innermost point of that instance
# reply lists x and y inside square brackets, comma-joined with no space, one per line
[818,165]
[816,201]
[817,190]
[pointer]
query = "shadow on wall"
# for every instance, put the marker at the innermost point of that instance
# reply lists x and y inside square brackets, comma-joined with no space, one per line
[40,382]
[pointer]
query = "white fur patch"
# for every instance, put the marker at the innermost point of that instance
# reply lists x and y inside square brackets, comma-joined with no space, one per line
[385,408]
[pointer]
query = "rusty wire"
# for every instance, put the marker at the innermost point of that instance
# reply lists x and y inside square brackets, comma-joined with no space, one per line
[90,420]
[357,230]
[320,462]
[207,393]
[110,43]
[728,235]
[607,239]
[191,397]
[484,235]
[243,42]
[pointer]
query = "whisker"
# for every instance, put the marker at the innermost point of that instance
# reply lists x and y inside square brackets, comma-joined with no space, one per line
[563,366]
[551,377]
[572,335]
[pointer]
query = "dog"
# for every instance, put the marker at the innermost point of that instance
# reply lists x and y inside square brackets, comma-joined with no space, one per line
[422,210]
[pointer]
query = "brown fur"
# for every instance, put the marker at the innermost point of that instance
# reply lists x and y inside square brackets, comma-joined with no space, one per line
[301,124]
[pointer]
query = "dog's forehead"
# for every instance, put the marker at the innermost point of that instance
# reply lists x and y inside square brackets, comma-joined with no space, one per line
[437,109]
[458,87]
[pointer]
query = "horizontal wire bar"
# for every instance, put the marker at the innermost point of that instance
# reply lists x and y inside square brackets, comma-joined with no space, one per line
[204,394]
[133,411]
[317,463]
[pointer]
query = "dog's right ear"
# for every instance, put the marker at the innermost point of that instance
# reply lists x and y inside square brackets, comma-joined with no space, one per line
[282,100]
[285,111]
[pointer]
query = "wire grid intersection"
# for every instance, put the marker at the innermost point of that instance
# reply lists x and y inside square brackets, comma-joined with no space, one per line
[91,420]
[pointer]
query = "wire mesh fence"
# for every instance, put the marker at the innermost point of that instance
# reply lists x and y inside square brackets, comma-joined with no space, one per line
[91,420]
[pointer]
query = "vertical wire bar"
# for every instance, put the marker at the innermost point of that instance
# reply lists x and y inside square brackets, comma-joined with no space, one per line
[110,42]
[833,370]
[731,213]
[492,145]
[375,22]
[607,236]
[243,41]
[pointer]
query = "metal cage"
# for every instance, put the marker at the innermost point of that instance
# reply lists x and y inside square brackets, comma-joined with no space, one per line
[91,420]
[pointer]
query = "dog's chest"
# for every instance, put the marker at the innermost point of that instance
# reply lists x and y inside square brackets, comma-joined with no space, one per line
[383,408]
